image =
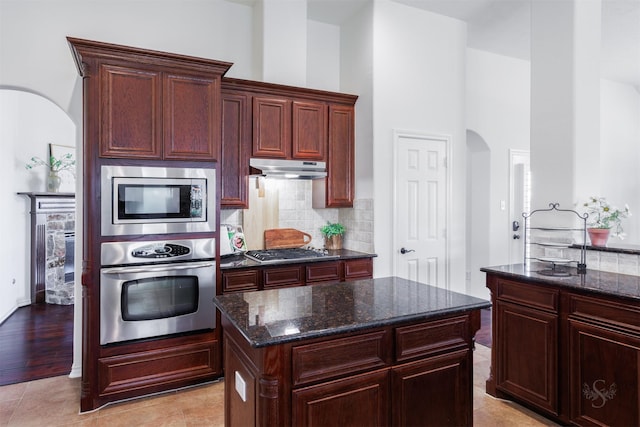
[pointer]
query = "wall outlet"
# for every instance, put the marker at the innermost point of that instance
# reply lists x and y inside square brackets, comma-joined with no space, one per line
[241,386]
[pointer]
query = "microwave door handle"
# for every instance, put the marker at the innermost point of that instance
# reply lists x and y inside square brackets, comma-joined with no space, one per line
[155,269]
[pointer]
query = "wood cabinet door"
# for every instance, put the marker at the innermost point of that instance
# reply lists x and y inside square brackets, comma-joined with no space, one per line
[433,392]
[309,130]
[236,146]
[360,400]
[240,280]
[361,268]
[283,276]
[527,354]
[323,272]
[271,127]
[190,117]
[130,112]
[604,376]
[340,163]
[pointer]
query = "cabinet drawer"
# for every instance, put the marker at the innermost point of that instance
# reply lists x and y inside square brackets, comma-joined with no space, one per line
[244,280]
[340,357]
[323,272]
[425,339]
[527,294]
[145,370]
[605,312]
[283,276]
[358,269]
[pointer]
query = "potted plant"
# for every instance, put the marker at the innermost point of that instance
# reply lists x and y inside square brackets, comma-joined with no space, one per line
[604,220]
[55,166]
[332,233]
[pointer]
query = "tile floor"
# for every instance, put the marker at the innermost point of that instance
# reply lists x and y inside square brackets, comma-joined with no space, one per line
[55,402]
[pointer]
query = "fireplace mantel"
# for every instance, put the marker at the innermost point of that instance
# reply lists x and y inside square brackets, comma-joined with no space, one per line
[52,224]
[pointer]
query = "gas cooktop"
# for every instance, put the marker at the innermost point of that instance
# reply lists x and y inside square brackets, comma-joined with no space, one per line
[279,255]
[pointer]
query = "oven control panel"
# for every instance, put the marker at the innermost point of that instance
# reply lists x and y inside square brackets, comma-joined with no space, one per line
[161,251]
[155,251]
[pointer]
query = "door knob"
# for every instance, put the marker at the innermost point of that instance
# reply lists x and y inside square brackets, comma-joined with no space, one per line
[406,251]
[516,236]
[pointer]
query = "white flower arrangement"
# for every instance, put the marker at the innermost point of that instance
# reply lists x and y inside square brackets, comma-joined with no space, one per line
[602,215]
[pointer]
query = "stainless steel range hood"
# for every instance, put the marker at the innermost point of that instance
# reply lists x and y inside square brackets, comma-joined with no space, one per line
[287,169]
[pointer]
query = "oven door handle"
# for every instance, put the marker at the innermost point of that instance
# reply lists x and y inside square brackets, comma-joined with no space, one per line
[155,269]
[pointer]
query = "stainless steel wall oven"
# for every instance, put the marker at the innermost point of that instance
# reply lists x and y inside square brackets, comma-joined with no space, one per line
[156,200]
[156,288]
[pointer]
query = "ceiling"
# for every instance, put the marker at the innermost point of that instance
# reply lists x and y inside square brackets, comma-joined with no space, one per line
[503,27]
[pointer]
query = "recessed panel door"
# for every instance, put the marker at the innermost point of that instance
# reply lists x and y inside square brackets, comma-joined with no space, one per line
[421,209]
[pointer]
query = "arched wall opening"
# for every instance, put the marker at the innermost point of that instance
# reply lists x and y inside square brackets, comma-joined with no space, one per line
[478,249]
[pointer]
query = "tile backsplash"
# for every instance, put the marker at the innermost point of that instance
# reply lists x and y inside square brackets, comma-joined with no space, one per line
[296,211]
[612,262]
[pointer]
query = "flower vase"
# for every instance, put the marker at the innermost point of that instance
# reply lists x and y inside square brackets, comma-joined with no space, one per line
[598,236]
[53,183]
[333,242]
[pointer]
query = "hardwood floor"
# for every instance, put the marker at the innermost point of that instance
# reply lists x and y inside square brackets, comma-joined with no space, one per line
[483,336]
[36,342]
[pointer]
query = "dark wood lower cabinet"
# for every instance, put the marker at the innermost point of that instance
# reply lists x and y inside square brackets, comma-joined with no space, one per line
[367,378]
[432,392]
[276,276]
[144,367]
[529,374]
[362,401]
[604,382]
[570,355]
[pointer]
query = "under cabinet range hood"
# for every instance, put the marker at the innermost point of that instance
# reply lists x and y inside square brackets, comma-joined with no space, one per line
[287,169]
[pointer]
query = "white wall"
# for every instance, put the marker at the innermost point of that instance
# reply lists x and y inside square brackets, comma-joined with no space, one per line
[418,84]
[323,56]
[29,123]
[497,110]
[620,152]
[35,54]
[356,77]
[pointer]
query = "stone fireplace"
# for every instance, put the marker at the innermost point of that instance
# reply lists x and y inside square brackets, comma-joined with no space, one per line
[52,247]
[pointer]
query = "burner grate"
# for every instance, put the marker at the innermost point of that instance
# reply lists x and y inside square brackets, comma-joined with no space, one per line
[276,255]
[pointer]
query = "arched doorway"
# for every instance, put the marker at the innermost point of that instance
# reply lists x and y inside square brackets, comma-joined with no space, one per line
[477,216]
[30,124]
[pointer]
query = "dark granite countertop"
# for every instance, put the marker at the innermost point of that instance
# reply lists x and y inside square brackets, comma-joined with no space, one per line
[619,248]
[593,281]
[283,315]
[240,261]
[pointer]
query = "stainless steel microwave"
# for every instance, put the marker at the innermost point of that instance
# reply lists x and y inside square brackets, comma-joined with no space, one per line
[157,200]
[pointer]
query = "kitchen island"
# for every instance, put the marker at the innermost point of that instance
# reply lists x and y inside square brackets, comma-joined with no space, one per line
[385,351]
[567,346]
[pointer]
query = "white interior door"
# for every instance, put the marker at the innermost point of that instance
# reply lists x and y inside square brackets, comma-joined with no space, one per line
[420,213]
[520,191]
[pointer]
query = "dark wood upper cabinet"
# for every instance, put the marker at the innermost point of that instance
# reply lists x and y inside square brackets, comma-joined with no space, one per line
[271,127]
[149,104]
[292,123]
[236,148]
[309,130]
[130,124]
[341,161]
[190,117]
